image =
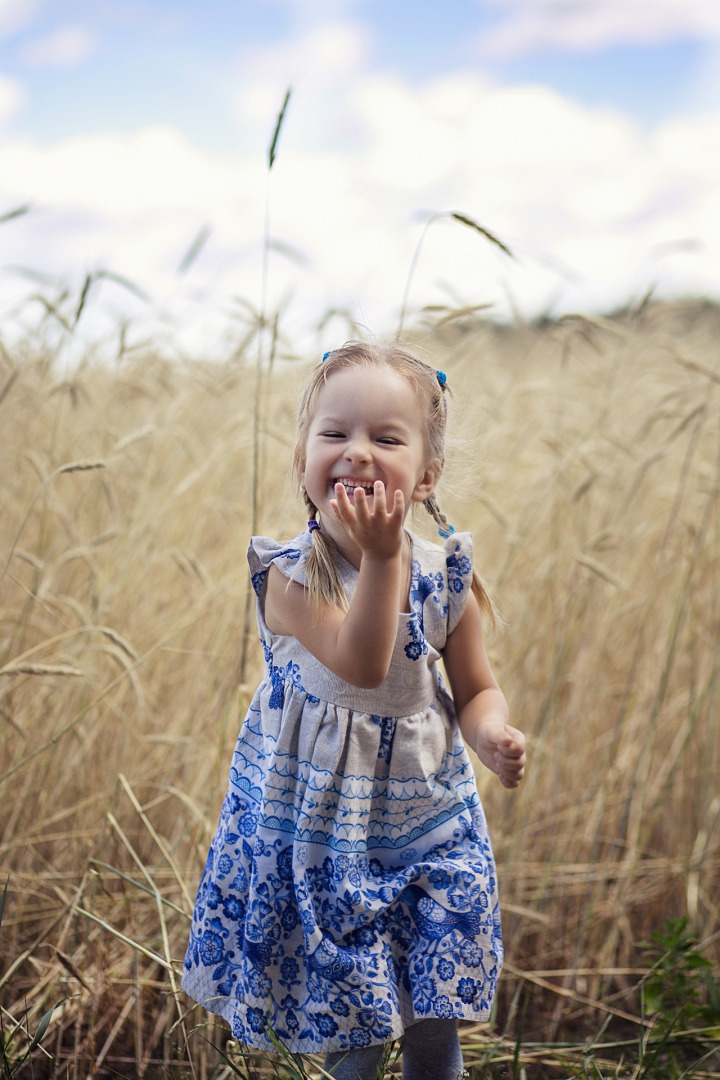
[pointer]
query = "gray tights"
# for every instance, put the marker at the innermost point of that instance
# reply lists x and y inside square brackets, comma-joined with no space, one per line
[431,1051]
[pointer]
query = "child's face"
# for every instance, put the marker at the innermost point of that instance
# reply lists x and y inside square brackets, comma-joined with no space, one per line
[367,426]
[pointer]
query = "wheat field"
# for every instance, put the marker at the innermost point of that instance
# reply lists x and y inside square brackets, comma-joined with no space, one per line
[588,468]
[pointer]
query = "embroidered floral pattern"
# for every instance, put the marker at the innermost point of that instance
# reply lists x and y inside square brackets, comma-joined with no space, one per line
[431,588]
[459,568]
[350,884]
[387,726]
[326,956]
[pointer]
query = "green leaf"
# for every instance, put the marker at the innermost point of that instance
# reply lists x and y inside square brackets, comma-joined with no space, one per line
[194,250]
[123,282]
[465,220]
[16,213]
[278,126]
[83,297]
[696,960]
[42,1028]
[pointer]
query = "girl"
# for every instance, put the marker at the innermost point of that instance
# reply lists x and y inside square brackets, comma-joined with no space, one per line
[349,896]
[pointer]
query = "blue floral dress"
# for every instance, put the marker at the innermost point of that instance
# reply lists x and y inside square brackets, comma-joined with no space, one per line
[350,887]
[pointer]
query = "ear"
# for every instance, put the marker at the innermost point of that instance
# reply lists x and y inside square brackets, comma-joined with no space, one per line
[427,481]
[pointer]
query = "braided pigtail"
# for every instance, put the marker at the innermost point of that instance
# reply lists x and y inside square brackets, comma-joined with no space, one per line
[484,599]
[444,527]
[482,593]
[323,580]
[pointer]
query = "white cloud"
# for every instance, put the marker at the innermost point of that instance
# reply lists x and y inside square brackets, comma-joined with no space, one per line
[12,96]
[563,185]
[65,47]
[400,125]
[117,181]
[702,91]
[319,64]
[530,26]
[307,12]
[15,14]
[132,205]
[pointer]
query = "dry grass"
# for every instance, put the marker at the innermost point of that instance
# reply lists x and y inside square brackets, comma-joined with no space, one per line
[124,517]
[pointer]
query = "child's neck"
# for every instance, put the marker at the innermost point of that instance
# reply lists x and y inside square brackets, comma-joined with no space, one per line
[353,554]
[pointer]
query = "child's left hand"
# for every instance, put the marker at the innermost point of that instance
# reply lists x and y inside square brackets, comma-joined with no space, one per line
[502,749]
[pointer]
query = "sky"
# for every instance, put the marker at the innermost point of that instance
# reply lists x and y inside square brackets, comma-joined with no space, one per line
[135,135]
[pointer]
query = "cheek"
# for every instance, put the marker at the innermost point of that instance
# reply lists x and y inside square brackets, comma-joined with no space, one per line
[299,460]
[311,468]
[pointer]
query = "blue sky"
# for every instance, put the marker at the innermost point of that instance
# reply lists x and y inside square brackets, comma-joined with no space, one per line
[584,132]
[130,65]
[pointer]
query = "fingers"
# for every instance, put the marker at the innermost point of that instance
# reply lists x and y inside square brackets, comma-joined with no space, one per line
[398,507]
[361,504]
[379,491]
[510,782]
[358,509]
[512,744]
[379,510]
[510,757]
[344,509]
[341,503]
[502,748]
[367,519]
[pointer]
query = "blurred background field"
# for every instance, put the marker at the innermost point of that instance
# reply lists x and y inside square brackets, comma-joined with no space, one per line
[587,468]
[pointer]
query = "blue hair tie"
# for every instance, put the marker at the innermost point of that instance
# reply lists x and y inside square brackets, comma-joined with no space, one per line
[441,378]
[448,531]
[313,524]
[325,355]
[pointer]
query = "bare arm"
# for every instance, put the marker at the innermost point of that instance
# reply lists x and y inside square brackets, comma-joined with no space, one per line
[480,703]
[356,645]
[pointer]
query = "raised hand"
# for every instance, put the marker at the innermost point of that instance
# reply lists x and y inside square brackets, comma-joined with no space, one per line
[376,530]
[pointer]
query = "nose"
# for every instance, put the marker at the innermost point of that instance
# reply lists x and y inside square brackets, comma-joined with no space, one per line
[358,449]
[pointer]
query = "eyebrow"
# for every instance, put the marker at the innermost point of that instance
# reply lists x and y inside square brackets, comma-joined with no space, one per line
[339,421]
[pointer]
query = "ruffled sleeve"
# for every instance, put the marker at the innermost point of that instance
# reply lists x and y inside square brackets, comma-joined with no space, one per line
[290,559]
[439,589]
[459,562]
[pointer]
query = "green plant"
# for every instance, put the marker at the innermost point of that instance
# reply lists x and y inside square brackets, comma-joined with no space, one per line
[11,1061]
[13,1052]
[681,982]
[682,994]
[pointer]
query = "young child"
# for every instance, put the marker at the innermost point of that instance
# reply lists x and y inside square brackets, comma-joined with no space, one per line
[349,897]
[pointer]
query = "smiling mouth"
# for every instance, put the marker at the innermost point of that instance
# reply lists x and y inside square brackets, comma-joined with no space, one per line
[351,486]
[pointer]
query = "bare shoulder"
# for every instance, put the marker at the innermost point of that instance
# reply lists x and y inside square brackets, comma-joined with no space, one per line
[288,610]
[286,601]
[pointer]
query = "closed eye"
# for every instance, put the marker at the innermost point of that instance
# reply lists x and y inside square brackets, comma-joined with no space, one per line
[332,434]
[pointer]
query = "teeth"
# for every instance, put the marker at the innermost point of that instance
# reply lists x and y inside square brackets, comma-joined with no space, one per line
[352,485]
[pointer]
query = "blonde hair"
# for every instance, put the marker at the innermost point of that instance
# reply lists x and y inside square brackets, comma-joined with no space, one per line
[323,580]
